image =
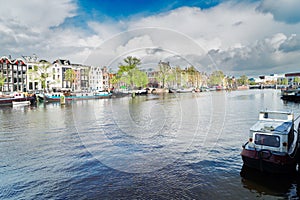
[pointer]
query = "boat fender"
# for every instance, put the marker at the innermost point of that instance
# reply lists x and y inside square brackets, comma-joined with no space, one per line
[264,154]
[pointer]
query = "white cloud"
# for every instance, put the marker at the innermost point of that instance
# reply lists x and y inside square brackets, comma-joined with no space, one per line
[37,14]
[244,39]
[235,37]
[34,26]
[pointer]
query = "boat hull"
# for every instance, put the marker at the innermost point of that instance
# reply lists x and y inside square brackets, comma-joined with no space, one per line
[265,161]
[9,101]
[21,103]
[294,98]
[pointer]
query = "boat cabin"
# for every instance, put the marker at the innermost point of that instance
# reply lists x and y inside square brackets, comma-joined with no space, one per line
[274,131]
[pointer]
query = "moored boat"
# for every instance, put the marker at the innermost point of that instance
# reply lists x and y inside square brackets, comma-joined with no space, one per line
[7,100]
[273,143]
[56,97]
[290,95]
[185,90]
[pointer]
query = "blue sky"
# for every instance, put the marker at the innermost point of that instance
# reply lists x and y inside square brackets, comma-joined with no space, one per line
[238,37]
[104,10]
[120,9]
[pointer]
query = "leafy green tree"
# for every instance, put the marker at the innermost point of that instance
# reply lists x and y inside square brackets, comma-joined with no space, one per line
[140,78]
[216,78]
[2,81]
[41,73]
[284,81]
[165,74]
[114,80]
[70,75]
[243,80]
[297,80]
[192,75]
[178,72]
[126,70]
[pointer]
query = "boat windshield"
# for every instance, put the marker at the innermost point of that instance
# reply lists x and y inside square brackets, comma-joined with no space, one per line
[267,140]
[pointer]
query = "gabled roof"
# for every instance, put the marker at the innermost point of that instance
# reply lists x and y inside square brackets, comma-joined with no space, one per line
[62,62]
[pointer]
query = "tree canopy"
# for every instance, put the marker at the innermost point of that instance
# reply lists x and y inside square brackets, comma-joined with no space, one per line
[216,78]
[165,74]
[70,75]
[2,81]
[41,73]
[129,73]
[243,80]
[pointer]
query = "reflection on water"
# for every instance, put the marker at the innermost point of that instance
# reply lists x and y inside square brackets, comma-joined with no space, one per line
[174,146]
[269,184]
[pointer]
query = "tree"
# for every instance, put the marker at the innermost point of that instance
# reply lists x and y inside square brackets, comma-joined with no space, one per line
[177,76]
[70,75]
[297,80]
[125,72]
[165,74]
[2,81]
[140,79]
[41,73]
[243,80]
[216,78]
[284,81]
[191,72]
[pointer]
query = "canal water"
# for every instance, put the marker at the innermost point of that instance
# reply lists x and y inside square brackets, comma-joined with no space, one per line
[172,146]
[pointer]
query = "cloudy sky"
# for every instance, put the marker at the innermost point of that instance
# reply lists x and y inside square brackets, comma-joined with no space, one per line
[252,37]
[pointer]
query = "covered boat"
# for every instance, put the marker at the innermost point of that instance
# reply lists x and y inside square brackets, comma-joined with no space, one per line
[291,95]
[56,97]
[273,143]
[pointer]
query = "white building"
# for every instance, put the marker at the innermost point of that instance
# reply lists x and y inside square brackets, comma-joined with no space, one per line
[95,79]
[58,82]
[35,69]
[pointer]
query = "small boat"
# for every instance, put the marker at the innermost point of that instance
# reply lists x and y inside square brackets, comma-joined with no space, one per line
[139,92]
[185,90]
[21,103]
[273,143]
[171,90]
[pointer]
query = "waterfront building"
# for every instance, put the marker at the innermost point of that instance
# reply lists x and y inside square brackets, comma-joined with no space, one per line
[96,79]
[14,72]
[81,81]
[105,78]
[293,78]
[59,82]
[84,77]
[38,73]
[271,79]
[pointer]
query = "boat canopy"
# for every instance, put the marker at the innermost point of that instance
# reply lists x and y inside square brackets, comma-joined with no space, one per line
[274,122]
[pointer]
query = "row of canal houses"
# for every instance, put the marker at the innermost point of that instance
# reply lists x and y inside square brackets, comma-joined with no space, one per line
[18,76]
[91,78]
